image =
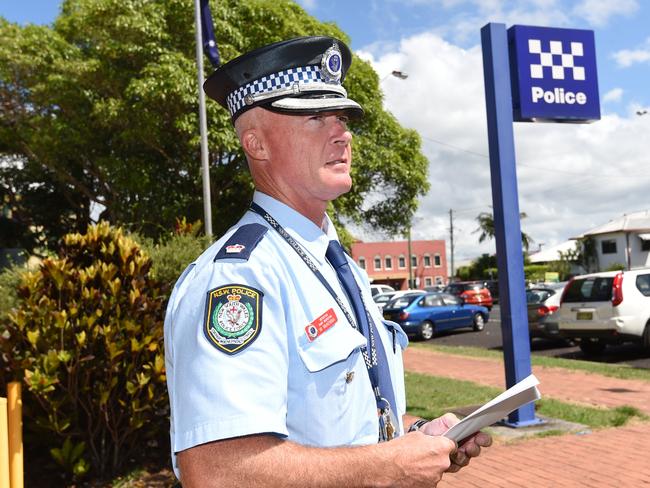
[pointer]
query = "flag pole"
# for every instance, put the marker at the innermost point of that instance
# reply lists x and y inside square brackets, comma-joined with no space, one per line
[203,125]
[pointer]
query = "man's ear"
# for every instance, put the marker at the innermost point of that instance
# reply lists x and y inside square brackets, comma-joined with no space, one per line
[252,140]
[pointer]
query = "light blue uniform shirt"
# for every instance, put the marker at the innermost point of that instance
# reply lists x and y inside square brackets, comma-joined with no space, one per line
[315,393]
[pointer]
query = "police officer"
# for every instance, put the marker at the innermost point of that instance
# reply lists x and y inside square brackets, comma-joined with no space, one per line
[280,371]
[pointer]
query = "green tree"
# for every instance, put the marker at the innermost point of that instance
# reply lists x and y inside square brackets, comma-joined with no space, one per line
[101,108]
[486,228]
[583,255]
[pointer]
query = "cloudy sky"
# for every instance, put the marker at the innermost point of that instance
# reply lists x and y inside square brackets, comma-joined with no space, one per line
[570,177]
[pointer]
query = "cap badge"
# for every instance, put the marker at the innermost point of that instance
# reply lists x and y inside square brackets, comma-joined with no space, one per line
[331,64]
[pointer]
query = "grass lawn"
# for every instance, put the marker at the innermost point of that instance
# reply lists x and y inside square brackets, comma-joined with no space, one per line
[614,370]
[431,396]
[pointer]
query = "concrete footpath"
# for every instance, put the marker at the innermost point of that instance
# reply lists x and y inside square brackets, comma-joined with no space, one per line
[614,457]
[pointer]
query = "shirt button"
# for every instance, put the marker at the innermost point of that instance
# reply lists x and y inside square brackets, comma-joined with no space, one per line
[349,376]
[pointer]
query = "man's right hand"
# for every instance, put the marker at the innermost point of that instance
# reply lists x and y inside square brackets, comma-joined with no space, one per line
[422,459]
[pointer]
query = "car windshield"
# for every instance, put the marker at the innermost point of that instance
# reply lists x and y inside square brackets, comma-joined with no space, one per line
[401,302]
[383,298]
[589,290]
[537,295]
[455,289]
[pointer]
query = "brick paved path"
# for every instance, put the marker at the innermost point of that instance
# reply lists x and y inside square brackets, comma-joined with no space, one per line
[608,458]
[616,457]
[561,384]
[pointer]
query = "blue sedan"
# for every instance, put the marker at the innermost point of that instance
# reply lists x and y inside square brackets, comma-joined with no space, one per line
[424,315]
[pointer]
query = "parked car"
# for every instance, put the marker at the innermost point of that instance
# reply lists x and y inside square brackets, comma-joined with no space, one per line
[604,308]
[377,289]
[493,286]
[383,298]
[543,310]
[425,315]
[472,292]
[434,288]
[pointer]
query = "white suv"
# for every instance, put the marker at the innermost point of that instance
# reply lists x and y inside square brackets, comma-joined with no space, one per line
[377,289]
[604,308]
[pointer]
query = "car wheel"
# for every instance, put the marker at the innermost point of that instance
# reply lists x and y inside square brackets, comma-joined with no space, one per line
[479,322]
[427,329]
[646,336]
[592,347]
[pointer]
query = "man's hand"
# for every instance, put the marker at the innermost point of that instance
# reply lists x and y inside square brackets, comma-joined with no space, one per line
[417,459]
[471,447]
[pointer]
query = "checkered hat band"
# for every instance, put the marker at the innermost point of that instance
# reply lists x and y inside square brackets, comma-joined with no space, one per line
[275,81]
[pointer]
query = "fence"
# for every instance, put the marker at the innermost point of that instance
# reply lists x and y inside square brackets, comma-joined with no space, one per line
[11,438]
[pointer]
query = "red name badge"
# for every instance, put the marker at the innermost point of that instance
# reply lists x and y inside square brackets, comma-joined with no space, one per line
[320,325]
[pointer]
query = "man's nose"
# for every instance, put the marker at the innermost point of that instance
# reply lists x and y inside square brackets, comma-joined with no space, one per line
[341,133]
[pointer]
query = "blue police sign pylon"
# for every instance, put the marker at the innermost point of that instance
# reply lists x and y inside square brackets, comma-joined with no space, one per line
[554,76]
[541,91]
[507,231]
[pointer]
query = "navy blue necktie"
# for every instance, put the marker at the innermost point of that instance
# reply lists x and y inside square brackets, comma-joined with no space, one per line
[336,257]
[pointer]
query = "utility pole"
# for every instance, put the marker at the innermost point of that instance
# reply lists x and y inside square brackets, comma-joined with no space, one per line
[451,243]
[410,259]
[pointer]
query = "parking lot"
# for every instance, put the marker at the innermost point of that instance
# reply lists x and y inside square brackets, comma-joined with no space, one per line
[490,338]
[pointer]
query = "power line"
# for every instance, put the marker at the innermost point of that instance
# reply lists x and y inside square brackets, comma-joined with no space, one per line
[537,168]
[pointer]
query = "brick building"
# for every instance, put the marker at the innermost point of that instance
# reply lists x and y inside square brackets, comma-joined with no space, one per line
[386,262]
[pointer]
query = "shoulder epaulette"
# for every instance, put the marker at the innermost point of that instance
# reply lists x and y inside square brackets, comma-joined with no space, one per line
[242,242]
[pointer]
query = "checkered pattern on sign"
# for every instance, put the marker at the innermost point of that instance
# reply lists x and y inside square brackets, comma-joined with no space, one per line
[556,61]
[269,83]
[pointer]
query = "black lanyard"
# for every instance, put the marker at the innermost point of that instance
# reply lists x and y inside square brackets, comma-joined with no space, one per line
[369,352]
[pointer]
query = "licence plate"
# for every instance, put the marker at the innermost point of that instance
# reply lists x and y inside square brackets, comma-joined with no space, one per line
[584,316]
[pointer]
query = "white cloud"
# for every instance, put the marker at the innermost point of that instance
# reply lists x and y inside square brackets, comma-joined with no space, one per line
[627,57]
[613,95]
[570,177]
[598,12]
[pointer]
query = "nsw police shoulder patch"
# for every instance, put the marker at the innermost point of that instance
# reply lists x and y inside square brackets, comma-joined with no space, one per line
[233,317]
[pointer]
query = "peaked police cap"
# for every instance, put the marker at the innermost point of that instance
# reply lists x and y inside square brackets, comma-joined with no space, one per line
[297,76]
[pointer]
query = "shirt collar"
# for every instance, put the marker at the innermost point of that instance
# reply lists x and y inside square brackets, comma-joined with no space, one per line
[312,238]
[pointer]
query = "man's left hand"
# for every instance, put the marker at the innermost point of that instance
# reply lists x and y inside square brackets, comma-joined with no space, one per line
[471,447]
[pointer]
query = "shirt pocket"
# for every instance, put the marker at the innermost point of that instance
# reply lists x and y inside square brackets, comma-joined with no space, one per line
[397,335]
[333,346]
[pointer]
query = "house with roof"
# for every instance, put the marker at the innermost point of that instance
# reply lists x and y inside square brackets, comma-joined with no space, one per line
[625,240]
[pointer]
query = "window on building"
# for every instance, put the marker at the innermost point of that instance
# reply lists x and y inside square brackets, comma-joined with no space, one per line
[428,281]
[388,262]
[377,263]
[362,263]
[608,246]
[427,261]
[414,260]
[645,244]
[437,262]
[401,262]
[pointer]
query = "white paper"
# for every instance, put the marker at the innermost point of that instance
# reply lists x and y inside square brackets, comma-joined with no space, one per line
[520,394]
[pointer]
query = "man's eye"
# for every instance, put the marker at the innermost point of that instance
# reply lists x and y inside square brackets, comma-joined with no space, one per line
[316,117]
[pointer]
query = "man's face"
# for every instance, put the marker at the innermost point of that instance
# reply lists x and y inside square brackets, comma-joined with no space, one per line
[310,155]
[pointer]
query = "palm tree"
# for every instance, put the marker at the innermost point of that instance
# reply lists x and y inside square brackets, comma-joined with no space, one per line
[486,228]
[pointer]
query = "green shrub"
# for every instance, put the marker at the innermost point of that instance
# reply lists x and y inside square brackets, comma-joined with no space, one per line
[9,281]
[616,267]
[87,342]
[172,255]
